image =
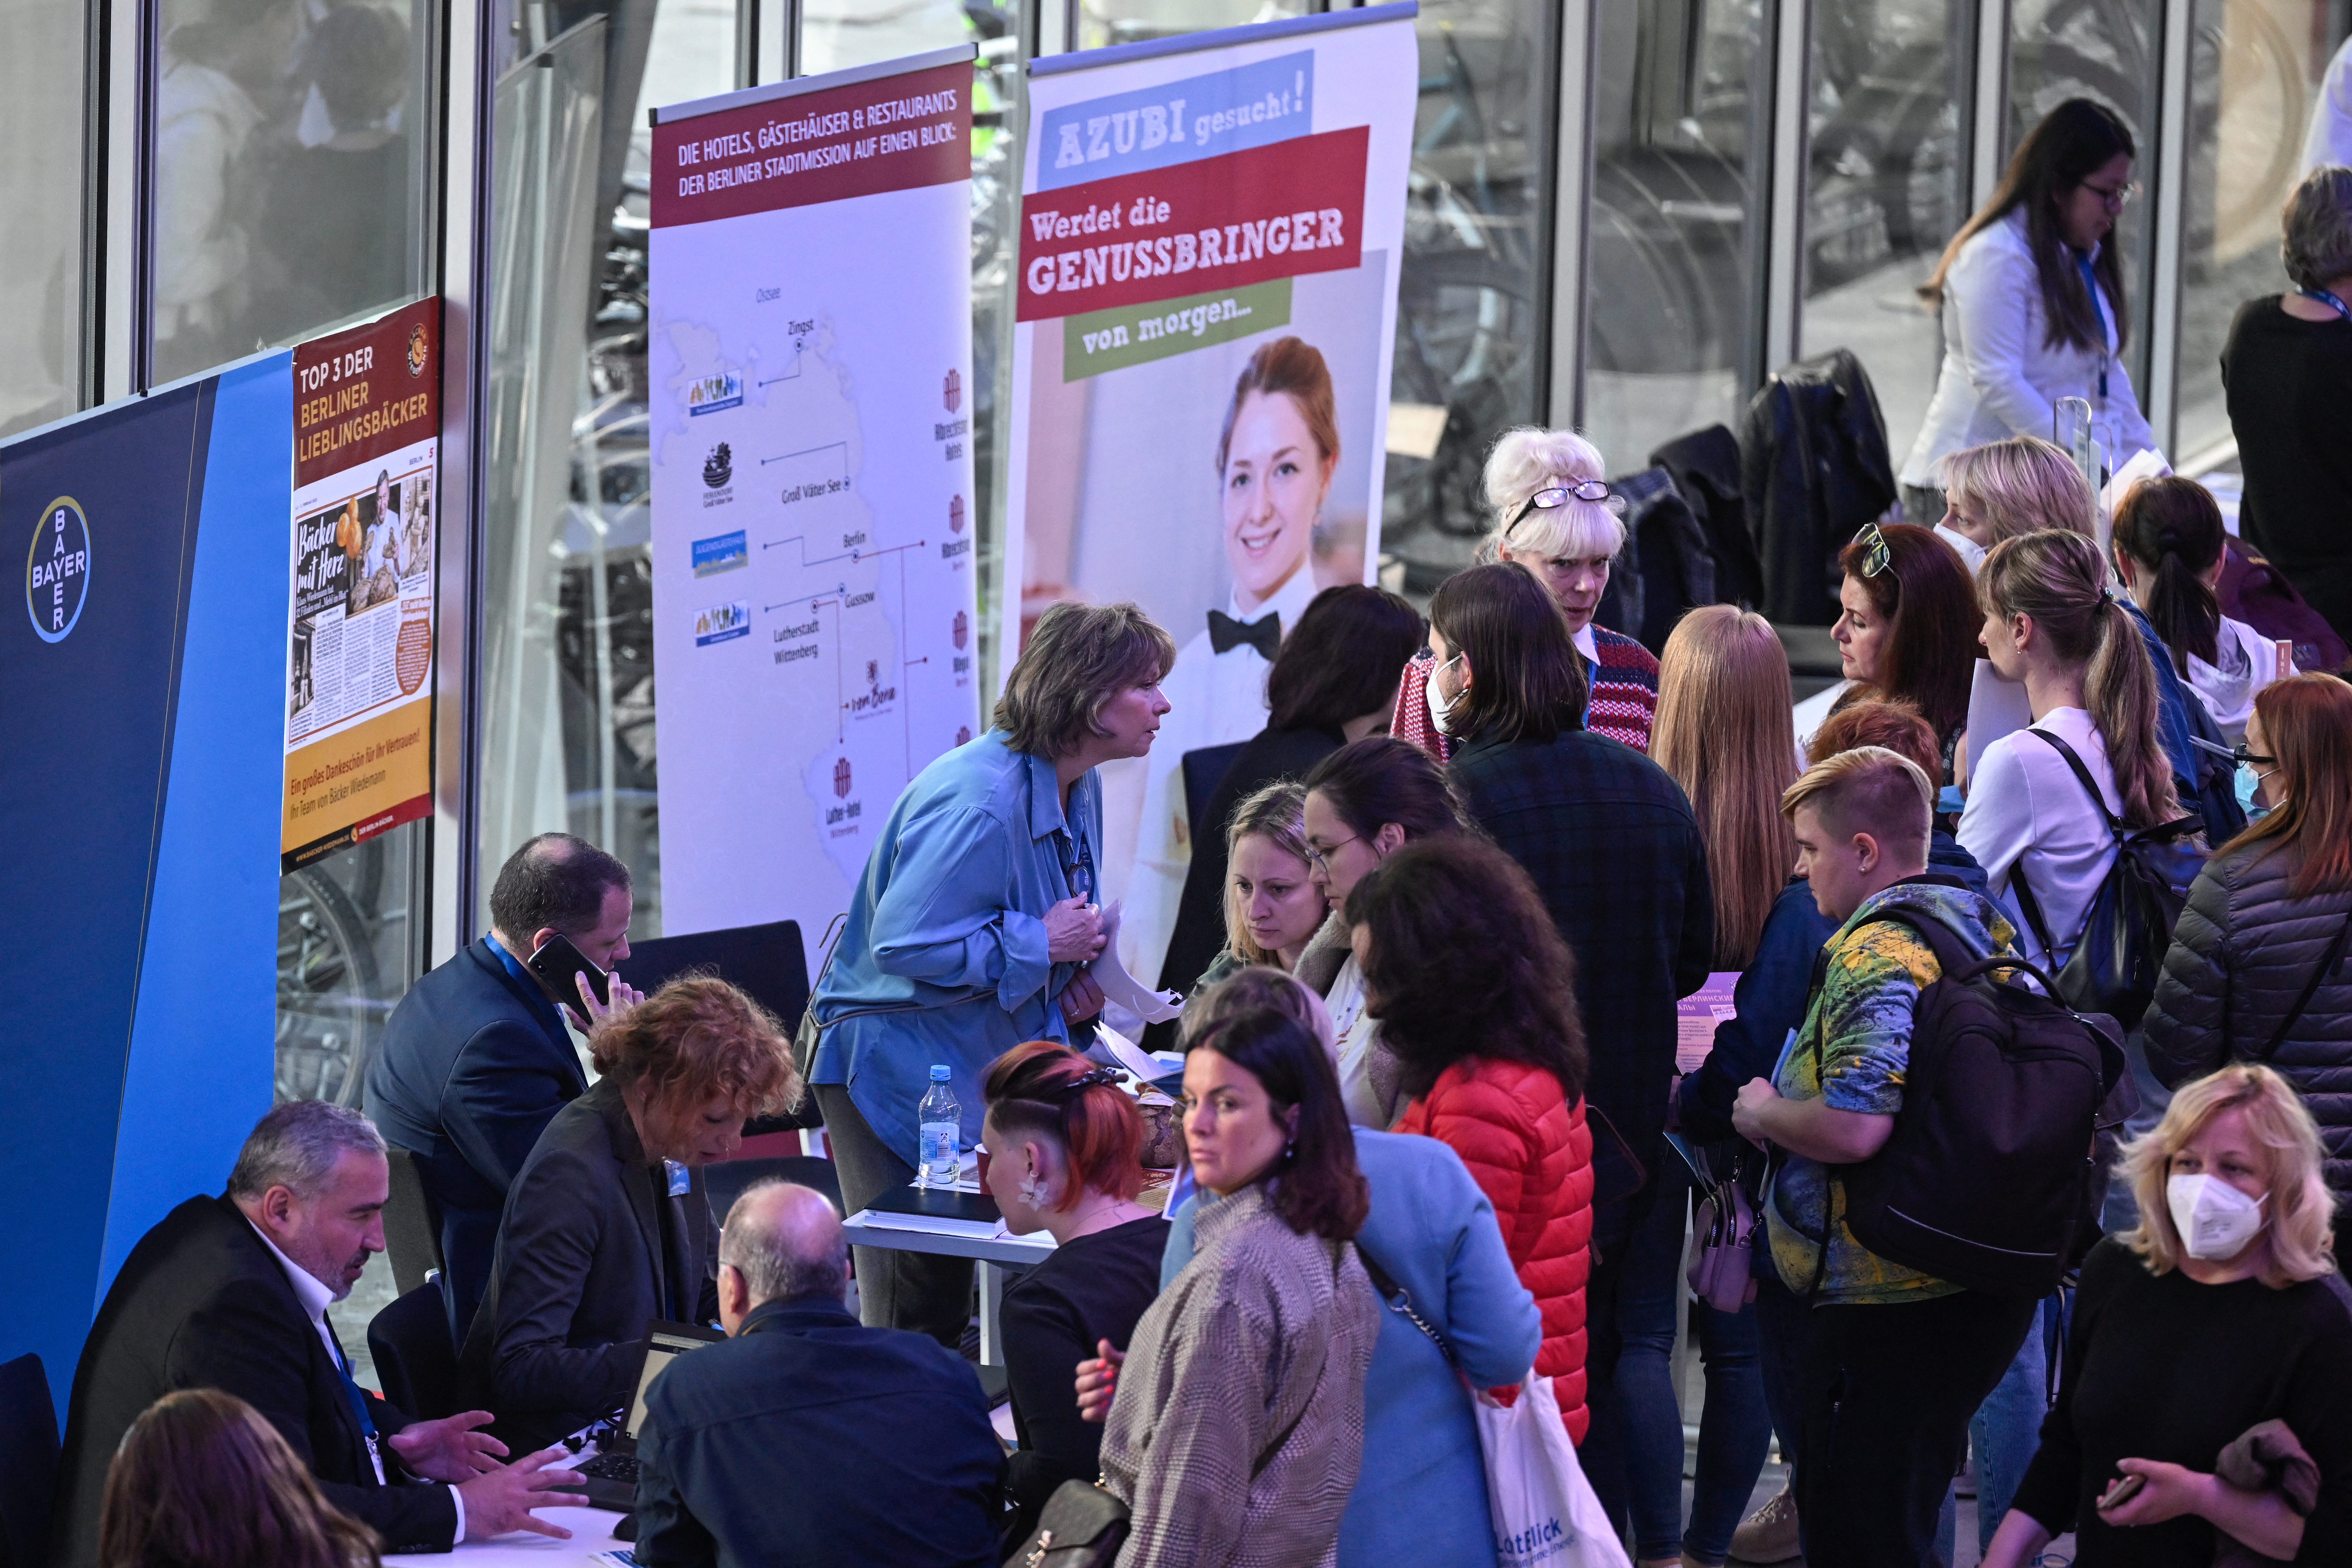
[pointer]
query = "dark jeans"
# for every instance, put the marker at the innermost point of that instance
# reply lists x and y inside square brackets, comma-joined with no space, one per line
[918,1291]
[1888,1391]
[1734,1430]
[1614,1225]
[1782,1327]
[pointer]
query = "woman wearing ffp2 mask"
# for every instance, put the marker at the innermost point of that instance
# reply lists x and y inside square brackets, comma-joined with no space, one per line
[2219,1311]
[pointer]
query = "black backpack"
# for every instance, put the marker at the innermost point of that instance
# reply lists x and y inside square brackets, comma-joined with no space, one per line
[2127,930]
[1993,1176]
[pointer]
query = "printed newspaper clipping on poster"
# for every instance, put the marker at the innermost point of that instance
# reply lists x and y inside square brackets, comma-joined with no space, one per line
[359,646]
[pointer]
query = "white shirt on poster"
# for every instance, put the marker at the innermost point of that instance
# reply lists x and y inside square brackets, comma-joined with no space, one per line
[2027,808]
[1213,700]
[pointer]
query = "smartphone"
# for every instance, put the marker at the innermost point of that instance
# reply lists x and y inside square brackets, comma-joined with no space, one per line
[2126,1489]
[555,964]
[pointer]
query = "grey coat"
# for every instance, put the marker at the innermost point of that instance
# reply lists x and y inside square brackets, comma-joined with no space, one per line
[2241,953]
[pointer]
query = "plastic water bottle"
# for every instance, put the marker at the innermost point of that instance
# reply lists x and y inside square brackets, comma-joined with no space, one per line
[938,1132]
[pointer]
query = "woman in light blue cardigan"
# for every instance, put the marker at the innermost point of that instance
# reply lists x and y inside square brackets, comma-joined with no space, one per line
[1421,1495]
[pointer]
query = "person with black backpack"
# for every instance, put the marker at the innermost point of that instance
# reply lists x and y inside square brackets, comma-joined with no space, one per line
[2076,819]
[1934,1133]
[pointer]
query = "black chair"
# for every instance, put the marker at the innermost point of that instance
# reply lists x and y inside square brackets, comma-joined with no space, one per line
[725,1181]
[412,1224]
[768,962]
[28,1463]
[413,1360]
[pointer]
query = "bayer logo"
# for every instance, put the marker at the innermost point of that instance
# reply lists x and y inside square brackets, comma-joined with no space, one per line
[56,569]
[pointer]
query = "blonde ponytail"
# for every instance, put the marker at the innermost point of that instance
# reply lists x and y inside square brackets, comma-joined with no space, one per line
[2058,579]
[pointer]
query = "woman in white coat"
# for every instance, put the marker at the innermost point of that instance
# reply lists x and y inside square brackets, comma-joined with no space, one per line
[2033,305]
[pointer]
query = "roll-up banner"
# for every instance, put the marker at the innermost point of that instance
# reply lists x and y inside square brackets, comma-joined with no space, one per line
[812,504]
[1210,237]
[359,634]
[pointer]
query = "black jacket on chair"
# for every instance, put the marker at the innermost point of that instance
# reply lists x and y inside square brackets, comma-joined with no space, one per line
[810,1441]
[201,1303]
[1814,469]
[591,1249]
[1706,468]
[472,1067]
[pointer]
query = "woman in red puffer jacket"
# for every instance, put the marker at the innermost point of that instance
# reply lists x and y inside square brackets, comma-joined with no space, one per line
[1475,992]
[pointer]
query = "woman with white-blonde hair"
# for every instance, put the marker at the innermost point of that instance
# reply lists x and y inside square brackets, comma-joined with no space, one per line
[1557,516]
[2219,1311]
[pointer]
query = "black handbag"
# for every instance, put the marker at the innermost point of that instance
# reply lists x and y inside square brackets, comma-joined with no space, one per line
[2128,929]
[1083,1526]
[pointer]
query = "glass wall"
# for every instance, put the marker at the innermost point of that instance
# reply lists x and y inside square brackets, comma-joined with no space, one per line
[2103,49]
[1473,322]
[1680,114]
[2253,79]
[42,79]
[1888,187]
[294,171]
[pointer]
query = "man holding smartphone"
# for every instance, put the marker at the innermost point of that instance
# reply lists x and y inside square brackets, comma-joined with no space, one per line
[476,1061]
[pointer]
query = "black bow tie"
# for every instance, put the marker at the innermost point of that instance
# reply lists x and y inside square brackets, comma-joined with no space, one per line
[1263,633]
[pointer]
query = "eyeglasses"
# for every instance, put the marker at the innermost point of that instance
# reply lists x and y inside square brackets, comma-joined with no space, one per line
[2243,755]
[1880,556]
[2116,197]
[1596,491]
[1321,858]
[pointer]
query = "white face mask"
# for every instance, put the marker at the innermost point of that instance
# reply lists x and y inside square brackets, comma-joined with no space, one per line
[2215,1219]
[1441,707]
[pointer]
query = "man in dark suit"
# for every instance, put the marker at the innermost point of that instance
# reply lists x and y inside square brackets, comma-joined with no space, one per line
[231,1293]
[808,1440]
[476,1060]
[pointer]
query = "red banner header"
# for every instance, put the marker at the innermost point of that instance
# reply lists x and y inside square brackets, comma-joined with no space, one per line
[895,133]
[1277,211]
[373,390]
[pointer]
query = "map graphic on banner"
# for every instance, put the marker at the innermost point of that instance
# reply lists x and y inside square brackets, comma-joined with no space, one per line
[1210,237]
[359,645]
[813,502]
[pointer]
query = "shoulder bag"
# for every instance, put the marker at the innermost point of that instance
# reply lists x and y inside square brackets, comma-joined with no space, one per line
[1083,1526]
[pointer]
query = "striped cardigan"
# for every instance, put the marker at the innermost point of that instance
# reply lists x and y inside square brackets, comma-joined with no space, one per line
[1624,697]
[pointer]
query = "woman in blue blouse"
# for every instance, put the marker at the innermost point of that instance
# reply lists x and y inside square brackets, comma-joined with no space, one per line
[972,926]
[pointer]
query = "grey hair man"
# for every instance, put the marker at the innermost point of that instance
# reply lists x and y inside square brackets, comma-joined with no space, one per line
[808,1438]
[232,1292]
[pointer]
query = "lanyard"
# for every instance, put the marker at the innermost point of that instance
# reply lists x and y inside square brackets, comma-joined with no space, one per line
[358,1401]
[2330,301]
[2091,282]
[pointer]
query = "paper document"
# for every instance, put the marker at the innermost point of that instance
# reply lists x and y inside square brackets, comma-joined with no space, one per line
[1996,708]
[1152,1007]
[1145,1064]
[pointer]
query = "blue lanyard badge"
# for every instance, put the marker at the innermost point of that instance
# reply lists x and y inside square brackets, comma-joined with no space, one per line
[2330,301]
[680,1181]
[358,1401]
[2091,282]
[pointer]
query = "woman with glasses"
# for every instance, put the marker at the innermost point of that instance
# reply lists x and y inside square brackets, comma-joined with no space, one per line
[2258,969]
[1333,682]
[1559,520]
[2031,294]
[1364,803]
[1906,630]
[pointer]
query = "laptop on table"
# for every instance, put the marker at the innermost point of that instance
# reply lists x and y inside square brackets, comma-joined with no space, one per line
[611,1475]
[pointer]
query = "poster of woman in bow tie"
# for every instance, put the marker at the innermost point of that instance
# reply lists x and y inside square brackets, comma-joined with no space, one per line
[1208,269]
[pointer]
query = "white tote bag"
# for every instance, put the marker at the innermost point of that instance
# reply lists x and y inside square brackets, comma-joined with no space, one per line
[1545,1513]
